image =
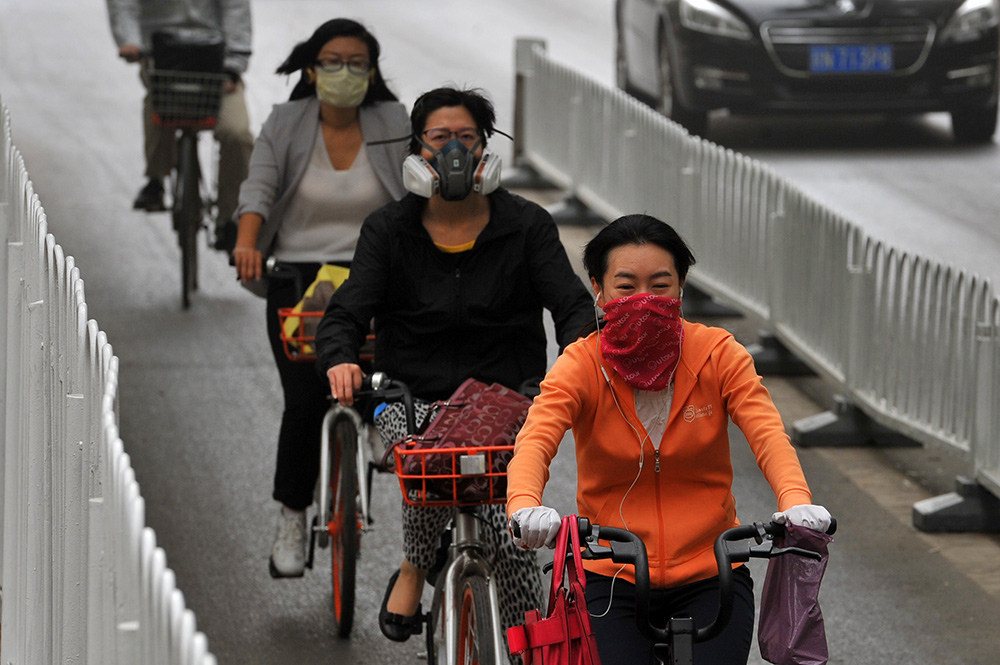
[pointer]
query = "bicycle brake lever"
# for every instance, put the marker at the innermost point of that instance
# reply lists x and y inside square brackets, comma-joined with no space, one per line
[809,554]
[595,551]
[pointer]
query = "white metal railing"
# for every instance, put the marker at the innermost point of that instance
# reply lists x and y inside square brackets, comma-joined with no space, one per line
[911,342]
[83,579]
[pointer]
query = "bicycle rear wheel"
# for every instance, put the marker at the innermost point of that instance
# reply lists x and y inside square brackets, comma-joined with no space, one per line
[187,212]
[344,526]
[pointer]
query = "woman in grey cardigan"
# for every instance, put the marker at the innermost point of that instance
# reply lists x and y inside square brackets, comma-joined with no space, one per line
[324,160]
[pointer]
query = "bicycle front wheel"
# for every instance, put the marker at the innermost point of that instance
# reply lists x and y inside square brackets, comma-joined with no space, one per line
[187,212]
[474,645]
[475,629]
[344,526]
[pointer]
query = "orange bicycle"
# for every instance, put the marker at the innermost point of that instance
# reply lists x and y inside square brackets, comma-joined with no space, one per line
[346,464]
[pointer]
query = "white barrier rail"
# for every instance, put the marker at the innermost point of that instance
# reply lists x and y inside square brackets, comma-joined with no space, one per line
[911,342]
[83,579]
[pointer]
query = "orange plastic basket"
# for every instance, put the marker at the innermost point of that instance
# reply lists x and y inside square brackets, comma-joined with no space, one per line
[298,336]
[298,333]
[466,476]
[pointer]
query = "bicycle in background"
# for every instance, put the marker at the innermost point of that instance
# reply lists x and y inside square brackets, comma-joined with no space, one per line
[343,499]
[186,87]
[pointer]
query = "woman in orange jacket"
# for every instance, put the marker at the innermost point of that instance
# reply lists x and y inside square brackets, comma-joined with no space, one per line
[649,397]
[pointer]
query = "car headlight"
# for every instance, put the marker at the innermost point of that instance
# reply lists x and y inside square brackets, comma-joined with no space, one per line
[971,21]
[709,17]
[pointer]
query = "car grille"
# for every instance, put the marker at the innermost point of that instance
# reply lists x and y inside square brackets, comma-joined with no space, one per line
[789,44]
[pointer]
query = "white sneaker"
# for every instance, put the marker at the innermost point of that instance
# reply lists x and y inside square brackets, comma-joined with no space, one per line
[288,555]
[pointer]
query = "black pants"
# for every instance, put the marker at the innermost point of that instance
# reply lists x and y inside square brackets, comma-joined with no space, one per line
[619,642]
[305,392]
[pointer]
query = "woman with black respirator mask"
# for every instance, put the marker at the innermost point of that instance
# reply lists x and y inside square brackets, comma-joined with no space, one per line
[669,387]
[455,275]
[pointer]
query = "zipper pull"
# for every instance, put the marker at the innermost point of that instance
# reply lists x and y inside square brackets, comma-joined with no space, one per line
[656,457]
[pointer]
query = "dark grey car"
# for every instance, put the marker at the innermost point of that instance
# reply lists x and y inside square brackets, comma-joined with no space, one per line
[688,57]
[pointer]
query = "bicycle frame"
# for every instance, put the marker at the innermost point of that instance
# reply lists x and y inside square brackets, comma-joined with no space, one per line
[467,560]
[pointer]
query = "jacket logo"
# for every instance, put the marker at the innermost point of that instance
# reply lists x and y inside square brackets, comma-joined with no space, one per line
[691,412]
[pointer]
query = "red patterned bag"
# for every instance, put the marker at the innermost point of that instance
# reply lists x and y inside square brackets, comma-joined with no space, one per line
[462,455]
[564,636]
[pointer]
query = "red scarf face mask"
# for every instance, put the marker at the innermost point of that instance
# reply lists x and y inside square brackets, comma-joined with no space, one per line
[641,339]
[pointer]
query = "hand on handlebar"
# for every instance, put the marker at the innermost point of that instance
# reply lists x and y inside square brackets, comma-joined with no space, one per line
[534,527]
[130,53]
[810,516]
[345,379]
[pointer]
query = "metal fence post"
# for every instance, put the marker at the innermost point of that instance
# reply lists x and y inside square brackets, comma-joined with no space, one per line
[522,174]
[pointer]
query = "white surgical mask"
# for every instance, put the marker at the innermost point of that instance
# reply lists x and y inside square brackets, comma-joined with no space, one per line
[343,89]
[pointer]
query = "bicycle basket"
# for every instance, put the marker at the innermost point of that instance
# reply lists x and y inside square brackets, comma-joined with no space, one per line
[466,476]
[186,81]
[298,336]
[298,333]
[185,99]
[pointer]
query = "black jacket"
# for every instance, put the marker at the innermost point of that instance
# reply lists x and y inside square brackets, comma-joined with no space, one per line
[442,318]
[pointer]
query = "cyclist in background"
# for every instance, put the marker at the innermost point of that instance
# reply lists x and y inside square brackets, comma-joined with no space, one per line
[649,398]
[323,161]
[456,276]
[132,24]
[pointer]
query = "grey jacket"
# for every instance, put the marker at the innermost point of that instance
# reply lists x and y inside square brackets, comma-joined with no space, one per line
[134,21]
[285,144]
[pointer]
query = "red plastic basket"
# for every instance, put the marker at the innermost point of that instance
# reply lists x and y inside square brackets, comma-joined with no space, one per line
[300,343]
[466,476]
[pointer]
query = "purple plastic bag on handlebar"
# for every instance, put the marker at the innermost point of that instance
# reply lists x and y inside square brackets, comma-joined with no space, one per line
[791,630]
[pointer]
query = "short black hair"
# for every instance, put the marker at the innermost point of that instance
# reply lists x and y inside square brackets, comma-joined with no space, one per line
[473,100]
[636,229]
[303,57]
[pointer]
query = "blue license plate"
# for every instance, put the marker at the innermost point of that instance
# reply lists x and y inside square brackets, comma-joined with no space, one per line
[850,58]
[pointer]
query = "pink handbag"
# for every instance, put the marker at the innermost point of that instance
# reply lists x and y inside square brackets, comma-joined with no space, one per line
[564,635]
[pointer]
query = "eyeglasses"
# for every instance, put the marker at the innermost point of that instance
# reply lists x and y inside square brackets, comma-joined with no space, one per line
[438,136]
[332,66]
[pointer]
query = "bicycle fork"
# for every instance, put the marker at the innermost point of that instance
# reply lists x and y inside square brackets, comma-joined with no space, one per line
[324,465]
[468,562]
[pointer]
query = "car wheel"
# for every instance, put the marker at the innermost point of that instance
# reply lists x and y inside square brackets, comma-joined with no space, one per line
[974,125]
[668,104]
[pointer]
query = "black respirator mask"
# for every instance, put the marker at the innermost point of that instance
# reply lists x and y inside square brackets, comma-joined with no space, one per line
[454,172]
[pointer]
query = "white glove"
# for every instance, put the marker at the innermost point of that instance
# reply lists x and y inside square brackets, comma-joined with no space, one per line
[538,525]
[812,517]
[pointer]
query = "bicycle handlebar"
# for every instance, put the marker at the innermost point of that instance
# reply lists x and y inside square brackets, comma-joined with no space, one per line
[391,390]
[731,546]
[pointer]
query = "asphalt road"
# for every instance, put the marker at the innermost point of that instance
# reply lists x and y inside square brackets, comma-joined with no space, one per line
[199,396]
